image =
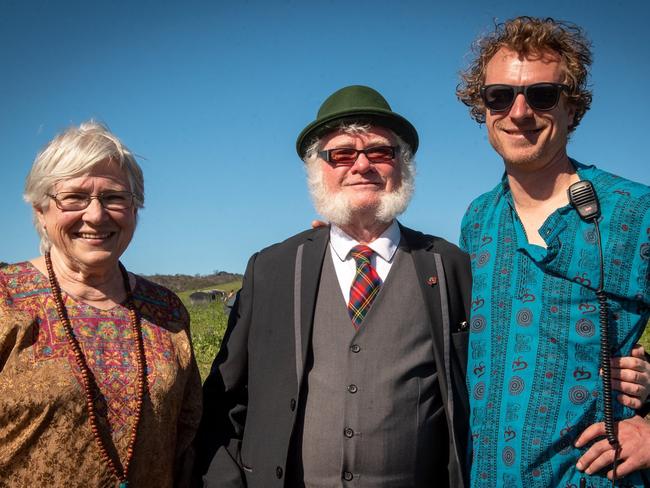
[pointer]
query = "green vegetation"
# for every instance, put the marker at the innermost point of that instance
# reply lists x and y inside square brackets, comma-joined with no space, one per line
[208,325]
[207,321]
[230,286]
[645,338]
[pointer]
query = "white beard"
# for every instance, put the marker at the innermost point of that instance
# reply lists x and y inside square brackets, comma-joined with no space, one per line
[337,209]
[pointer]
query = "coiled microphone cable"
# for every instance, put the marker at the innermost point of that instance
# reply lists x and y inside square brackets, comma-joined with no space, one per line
[605,360]
[583,197]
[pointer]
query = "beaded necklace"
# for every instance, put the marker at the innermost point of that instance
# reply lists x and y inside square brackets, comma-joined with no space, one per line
[88,380]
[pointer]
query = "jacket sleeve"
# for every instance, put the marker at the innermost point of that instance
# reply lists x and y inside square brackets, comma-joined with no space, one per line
[225,399]
[459,282]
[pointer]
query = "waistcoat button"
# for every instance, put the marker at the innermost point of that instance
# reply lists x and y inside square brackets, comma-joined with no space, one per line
[348,432]
[278,472]
[347,476]
[355,348]
[292,404]
[353,388]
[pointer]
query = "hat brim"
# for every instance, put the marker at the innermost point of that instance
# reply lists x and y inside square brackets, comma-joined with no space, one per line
[379,117]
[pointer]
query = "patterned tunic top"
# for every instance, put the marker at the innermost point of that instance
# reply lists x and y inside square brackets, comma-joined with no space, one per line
[533,367]
[45,433]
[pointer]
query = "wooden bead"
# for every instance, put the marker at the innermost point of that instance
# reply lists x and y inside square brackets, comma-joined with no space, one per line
[120,470]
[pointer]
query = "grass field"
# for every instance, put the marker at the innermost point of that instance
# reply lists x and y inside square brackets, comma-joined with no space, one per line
[645,339]
[208,324]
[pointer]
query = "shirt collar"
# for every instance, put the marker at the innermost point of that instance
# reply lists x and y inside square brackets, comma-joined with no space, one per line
[385,245]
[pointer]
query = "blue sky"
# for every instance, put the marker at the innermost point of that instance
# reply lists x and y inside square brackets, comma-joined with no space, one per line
[212,95]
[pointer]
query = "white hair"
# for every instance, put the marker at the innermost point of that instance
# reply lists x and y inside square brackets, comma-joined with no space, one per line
[335,207]
[75,152]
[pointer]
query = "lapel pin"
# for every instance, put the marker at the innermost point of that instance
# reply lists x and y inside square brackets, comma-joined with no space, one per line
[433,280]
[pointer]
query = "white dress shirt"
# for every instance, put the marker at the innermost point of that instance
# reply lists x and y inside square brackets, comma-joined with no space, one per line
[384,248]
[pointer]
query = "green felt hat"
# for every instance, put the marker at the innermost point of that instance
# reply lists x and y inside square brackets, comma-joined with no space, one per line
[356,103]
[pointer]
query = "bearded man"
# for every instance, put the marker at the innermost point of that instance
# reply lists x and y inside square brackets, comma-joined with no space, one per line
[343,362]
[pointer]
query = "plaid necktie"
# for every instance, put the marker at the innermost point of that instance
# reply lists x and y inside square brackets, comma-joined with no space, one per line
[365,285]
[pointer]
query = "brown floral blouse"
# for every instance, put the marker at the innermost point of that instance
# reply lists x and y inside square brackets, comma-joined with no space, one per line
[45,434]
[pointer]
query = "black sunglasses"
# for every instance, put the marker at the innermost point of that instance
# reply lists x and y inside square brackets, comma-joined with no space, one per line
[539,96]
[345,156]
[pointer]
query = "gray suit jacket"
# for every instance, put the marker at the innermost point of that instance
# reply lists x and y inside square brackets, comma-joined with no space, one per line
[252,392]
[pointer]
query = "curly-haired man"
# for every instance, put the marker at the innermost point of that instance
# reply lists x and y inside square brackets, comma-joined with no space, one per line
[537,399]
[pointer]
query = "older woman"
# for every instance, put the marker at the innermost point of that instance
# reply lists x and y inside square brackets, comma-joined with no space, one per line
[98,382]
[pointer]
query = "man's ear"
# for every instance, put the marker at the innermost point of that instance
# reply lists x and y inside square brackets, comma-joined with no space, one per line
[571,114]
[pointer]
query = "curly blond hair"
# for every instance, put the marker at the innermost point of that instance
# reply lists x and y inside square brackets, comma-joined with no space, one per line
[531,35]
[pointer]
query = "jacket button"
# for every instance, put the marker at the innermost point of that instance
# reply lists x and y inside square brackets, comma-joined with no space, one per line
[353,388]
[355,348]
[292,404]
[347,476]
[278,472]
[348,432]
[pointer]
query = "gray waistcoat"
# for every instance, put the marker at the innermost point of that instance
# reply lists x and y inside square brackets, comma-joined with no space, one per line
[371,414]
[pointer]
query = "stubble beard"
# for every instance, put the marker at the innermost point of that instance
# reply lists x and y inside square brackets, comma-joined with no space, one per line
[530,156]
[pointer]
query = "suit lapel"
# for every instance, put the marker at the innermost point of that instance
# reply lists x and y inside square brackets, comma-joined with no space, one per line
[307,272]
[422,250]
[430,278]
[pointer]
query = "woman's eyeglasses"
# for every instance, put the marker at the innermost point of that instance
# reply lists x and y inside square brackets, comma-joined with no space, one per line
[75,200]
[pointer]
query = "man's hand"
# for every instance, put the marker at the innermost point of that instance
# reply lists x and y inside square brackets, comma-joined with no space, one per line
[631,376]
[634,440]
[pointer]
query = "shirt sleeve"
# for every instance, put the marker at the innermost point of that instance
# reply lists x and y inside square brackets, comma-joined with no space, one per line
[13,323]
[190,414]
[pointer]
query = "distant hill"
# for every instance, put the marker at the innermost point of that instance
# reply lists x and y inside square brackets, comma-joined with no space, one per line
[181,282]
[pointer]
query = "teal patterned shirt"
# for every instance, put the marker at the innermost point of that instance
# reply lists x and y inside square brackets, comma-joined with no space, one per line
[533,367]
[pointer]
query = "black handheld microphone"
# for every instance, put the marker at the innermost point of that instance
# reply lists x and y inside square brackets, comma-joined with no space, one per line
[584,199]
